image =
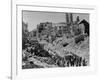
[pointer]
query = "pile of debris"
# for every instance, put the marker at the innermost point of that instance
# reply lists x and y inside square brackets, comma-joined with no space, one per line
[61,53]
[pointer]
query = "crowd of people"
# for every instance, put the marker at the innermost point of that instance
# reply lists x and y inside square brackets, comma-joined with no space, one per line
[74,60]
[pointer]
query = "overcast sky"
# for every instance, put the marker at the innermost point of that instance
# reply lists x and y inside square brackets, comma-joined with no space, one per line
[34,18]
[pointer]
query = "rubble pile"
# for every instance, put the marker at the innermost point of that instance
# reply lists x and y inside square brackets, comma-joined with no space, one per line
[55,48]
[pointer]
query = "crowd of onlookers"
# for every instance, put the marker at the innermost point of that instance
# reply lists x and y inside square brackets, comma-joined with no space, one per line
[74,60]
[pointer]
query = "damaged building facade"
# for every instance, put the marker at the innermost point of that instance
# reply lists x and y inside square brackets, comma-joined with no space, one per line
[68,28]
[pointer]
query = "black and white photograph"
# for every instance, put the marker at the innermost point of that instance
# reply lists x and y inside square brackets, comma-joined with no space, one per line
[55,39]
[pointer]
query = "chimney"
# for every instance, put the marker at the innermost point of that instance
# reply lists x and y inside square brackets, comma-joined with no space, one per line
[69,18]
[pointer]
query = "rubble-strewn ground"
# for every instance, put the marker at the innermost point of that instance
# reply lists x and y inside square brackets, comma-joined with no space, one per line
[62,52]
